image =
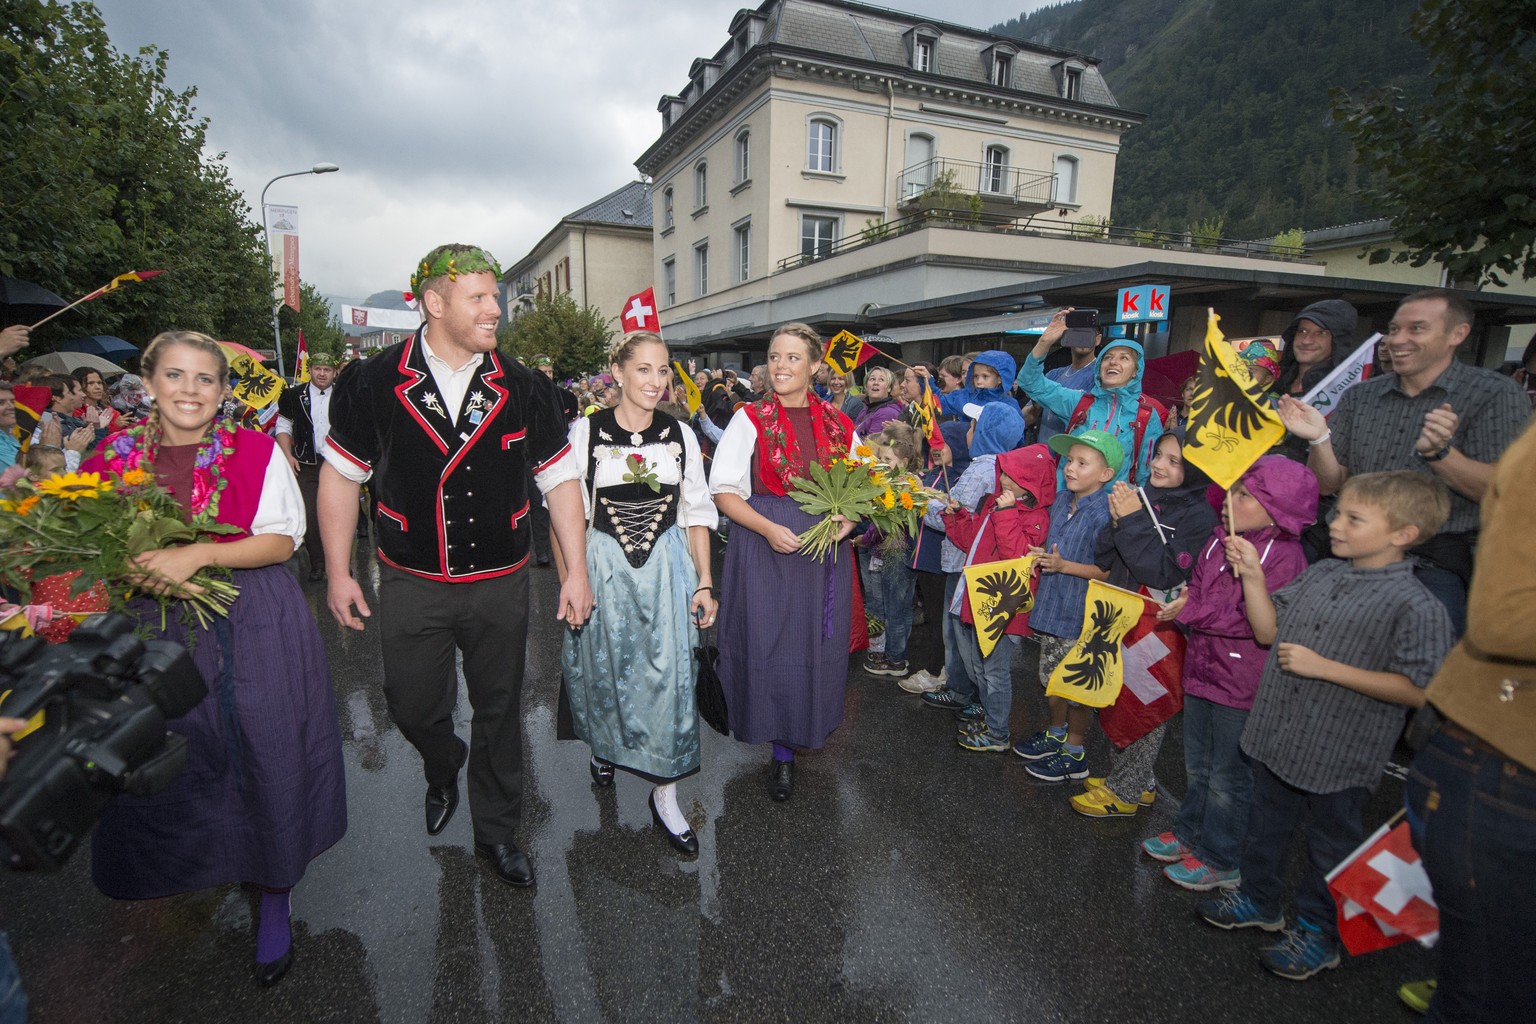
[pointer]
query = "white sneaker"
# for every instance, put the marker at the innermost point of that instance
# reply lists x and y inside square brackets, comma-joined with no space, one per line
[921,682]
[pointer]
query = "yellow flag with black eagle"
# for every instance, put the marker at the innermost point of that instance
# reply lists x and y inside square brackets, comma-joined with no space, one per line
[1093,671]
[257,386]
[1231,423]
[998,591]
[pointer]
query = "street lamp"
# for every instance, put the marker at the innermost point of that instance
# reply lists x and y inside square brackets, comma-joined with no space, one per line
[266,245]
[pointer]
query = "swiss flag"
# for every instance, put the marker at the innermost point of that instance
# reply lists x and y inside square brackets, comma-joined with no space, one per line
[1153,692]
[639,313]
[1383,894]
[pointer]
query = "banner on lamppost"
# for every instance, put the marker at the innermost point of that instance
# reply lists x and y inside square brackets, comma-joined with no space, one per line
[283,242]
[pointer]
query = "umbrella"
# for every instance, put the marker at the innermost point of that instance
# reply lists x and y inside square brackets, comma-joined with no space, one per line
[233,349]
[25,302]
[68,362]
[104,345]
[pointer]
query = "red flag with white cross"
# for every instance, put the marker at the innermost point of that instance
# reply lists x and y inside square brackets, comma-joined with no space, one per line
[1153,665]
[1383,894]
[639,313]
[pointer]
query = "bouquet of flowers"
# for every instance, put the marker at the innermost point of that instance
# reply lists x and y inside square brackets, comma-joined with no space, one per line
[96,525]
[858,489]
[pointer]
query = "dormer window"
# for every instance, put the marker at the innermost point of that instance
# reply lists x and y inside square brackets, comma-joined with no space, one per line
[999,63]
[922,43]
[1072,84]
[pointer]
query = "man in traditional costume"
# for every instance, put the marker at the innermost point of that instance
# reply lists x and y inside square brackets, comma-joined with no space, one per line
[444,428]
[303,420]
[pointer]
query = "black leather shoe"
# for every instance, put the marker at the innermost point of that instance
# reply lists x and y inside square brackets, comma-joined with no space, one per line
[602,774]
[316,575]
[270,974]
[783,780]
[509,864]
[684,841]
[441,803]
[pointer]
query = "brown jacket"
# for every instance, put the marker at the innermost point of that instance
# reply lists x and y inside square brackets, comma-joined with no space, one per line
[1488,682]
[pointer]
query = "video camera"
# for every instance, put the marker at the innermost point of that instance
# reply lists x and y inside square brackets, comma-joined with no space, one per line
[96,710]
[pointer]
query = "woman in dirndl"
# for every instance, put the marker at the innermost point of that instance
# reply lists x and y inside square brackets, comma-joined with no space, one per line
[263,790]
[629,673]
[785,618]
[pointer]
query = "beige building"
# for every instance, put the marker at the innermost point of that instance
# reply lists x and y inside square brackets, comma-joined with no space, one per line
[832,158]
[1345,250]
[599,255]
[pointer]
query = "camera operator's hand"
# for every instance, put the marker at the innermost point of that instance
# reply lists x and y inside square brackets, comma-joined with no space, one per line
[170,568]
[7,726]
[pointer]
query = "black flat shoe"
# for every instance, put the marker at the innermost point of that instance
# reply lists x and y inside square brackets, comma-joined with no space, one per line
[602,774]
[316,575]
[783,780]
[684,841]
[508,863]
[270,974]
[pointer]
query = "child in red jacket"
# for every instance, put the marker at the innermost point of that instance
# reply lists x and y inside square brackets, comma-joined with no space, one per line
[1015,517]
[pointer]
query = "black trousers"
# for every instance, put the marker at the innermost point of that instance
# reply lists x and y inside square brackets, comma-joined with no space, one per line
[423,623]
[1334,830]
[309,488]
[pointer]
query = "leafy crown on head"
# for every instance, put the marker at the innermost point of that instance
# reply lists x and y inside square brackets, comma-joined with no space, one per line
[450,261]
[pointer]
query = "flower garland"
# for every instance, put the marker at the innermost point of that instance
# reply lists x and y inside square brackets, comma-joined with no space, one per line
[133,450]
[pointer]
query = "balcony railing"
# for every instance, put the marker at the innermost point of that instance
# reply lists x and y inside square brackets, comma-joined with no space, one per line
[993,182]
[969,220]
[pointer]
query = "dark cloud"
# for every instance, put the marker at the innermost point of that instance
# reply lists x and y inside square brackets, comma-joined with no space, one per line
[481,120]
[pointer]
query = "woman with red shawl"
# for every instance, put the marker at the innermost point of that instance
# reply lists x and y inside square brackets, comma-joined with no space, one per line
[784,617]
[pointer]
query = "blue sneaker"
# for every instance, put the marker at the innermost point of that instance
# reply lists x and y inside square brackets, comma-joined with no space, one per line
[1235,910]
[971,713]
[1165,846]
[1197,876]
[1059,767]
[945,700]
[1041,744]
[1301,953]
[981,740]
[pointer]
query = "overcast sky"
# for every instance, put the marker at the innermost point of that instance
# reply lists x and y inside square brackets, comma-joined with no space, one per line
[482,121]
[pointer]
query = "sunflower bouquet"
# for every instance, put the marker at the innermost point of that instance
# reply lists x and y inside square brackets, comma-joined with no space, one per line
[95,525]
[858,489]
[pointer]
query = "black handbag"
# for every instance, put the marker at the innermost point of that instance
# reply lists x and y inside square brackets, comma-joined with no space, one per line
[707,691]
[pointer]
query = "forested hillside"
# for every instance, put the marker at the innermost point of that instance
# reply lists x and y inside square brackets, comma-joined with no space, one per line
[1240,124]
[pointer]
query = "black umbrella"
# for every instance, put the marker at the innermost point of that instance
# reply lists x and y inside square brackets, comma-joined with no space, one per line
[104,345]
[26,303]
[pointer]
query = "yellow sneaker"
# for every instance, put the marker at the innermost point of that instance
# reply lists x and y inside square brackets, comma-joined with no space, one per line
[1101,803]
[1417,994]
[1148,796]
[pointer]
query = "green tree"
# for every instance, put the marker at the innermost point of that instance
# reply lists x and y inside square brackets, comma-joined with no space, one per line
[1454,171]
[322,330]
[575,337]
[104,172]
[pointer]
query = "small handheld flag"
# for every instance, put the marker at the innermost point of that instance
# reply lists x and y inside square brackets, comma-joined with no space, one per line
[640,313]
[846,352]
[1093,671]
[690,389]
[111,286]
[301,362]
[998,591]
[1230,423]
[1383,893]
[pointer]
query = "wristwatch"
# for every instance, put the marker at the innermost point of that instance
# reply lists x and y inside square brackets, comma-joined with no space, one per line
[1435,456]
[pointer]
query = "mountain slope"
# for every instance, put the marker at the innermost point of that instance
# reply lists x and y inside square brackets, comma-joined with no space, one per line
[1239,124]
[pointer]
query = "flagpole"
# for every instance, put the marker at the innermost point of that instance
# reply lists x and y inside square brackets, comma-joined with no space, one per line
[72,305]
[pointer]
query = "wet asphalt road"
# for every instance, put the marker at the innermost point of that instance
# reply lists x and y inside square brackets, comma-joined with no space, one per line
[907,880]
